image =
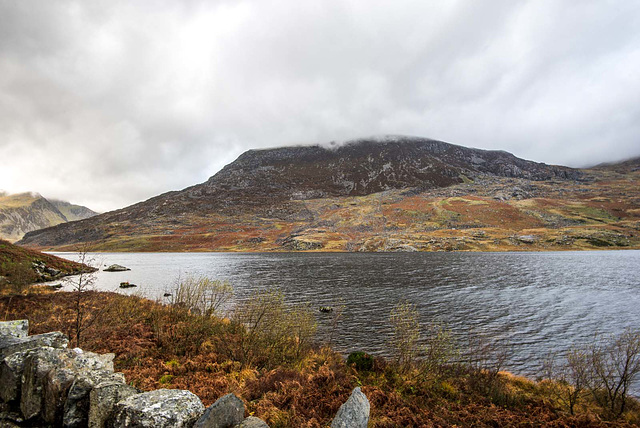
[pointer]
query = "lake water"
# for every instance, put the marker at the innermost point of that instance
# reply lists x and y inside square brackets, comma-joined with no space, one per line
[529,303]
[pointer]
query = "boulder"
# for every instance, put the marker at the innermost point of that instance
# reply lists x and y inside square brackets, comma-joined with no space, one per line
[56,383]
[226,412]
[160,408]
[12,344]
[103,398]
[354,413]
[253,422]
[78,404]
[16,328]
[116,268]
[527,239]
[37,364]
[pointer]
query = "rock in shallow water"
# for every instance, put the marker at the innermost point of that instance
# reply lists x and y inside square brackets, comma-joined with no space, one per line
[116,268]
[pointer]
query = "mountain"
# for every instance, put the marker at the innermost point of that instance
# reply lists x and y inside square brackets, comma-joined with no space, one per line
[375,194]
[625,166]
[72,212]
[25,212]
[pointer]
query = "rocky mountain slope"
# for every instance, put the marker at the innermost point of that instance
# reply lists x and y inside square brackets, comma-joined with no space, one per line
[25,212]
[380,194]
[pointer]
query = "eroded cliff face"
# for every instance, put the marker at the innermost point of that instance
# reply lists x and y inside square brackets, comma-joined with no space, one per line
[368,195]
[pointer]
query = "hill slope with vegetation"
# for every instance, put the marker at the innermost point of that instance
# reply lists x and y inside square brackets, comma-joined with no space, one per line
[20,267]
[393,194]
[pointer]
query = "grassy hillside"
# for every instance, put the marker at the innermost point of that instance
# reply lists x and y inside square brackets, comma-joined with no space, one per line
[21,266]
[488,214]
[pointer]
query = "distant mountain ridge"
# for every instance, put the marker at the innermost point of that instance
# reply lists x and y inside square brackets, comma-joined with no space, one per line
[25,212]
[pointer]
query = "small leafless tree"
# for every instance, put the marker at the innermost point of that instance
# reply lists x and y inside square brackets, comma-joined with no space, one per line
[614,363]
[80,285]
[570,378]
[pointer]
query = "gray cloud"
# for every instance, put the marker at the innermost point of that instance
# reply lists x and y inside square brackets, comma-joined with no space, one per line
[107,103]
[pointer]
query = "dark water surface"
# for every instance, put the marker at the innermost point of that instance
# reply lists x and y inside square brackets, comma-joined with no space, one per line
[530,303]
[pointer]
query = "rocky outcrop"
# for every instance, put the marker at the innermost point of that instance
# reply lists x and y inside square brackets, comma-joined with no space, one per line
[42,383]
[253,422]
[17,328]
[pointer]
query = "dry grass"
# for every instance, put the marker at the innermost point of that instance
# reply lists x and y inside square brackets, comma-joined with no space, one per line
[301,392]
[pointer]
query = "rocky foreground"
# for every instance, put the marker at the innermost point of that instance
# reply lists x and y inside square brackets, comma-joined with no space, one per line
[42,383]
[166,350]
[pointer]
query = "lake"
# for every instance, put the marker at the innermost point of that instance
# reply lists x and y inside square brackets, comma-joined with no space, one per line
[529,303]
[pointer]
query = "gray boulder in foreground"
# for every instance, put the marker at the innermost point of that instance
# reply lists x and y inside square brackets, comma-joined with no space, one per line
[354,413]
[162,408]
[226,412]
[253,422]
[16,328]
[103,399]
[11,369]
[116,268]
[77,406]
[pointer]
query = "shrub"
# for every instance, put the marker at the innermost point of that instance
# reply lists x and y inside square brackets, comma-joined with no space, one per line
[189,321]
[614,364]
[406,334]
[271,331]
[201,295]
[361,361]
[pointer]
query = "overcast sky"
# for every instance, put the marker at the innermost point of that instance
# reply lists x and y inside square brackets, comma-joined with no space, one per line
[106,103]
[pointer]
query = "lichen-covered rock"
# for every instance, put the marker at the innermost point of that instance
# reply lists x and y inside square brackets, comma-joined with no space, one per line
[354,413]
[161,408]
[253,422]
[103,398]
[56,384]
[16,328]
[78,403]
[37,364]
[226,412]
[11,369]
[11,344]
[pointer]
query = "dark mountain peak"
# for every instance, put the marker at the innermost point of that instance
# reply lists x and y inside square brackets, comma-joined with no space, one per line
[364,166]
